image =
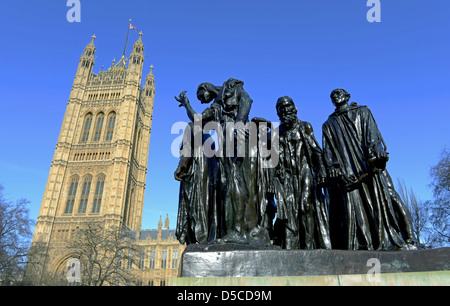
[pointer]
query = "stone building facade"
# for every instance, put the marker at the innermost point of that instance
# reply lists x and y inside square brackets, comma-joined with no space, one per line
[160,255]
[98,172]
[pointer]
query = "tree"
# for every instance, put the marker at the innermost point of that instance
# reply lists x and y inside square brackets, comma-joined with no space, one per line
[431,219]
[440,206]
[106,255]
[419,213]
[35,274]
[15,237]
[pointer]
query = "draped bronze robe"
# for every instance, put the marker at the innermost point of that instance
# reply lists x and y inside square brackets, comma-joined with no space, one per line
[199,210]
[372,216]
[300,202]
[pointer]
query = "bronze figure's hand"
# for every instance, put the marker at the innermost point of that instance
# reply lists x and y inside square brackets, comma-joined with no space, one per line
[182,99]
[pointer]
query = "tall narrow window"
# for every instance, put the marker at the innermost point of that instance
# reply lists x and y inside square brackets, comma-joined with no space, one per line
[85,195]
[141,260]
[119,260]
[163,259]
[71,197]
[152,259]
[87,127]
[110,127]
[130,260]
[138,143]
[99,126]
[127,209]
[175,259]
[98,194]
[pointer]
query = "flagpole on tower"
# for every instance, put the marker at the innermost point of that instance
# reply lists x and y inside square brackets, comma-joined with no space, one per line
[126,40]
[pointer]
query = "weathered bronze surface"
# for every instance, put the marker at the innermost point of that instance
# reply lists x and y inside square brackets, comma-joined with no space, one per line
[338,197]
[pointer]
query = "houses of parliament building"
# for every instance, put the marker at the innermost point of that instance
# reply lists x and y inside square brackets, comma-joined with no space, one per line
[99,167]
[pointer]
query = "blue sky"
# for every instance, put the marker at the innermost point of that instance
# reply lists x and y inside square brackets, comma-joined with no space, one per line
[399,67]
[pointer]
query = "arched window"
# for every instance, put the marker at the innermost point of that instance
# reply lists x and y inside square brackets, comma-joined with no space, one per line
[98,194]
[99,126]
[86,127]
[85,194]
[110,127]
[71,196]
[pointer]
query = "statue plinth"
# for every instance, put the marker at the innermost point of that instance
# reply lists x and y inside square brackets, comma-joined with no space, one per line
[246,261]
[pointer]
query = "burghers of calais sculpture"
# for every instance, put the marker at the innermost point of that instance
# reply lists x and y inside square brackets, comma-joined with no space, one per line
[238,170]
[230,201]
[228,193]
[199,214]
[300,174]
[365,210]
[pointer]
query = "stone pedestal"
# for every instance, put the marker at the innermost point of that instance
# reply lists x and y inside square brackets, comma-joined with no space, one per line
[240,261]
[434,278]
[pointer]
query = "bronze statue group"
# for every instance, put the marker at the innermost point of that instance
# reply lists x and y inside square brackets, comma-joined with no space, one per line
[339,196]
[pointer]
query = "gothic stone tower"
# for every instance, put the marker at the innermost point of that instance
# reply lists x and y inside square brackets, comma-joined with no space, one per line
[99,167]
